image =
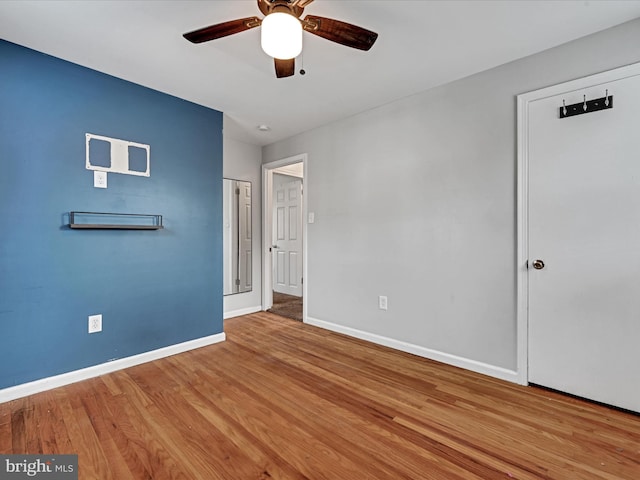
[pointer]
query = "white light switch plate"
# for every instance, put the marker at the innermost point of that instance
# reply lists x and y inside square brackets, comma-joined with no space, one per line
[383,302]
[99,179]
[312,217]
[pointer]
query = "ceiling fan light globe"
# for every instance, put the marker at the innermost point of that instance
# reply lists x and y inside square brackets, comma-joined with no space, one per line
[281,36]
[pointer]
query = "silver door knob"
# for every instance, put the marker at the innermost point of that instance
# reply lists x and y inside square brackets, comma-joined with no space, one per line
[538,264]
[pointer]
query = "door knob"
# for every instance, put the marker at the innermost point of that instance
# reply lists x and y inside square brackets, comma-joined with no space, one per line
[538,264]
[276,246]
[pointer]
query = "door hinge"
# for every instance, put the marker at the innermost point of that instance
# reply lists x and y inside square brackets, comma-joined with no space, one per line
[237,281]
[301,280]
[237,191]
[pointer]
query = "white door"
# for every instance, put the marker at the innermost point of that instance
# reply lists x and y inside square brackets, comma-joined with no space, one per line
[584,224]
[287,235]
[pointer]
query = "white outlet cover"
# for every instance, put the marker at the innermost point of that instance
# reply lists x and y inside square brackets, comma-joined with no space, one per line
[95,323]
[99,179]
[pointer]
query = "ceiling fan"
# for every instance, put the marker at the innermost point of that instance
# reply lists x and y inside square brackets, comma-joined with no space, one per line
[282,31]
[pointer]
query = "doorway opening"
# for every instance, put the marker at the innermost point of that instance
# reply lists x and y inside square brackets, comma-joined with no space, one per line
[285,237]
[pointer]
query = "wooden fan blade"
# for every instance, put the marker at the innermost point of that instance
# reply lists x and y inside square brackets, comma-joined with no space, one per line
[340,32]
[222,29]
[285,68]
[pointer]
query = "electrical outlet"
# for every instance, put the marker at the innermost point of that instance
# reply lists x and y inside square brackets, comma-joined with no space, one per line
[382,302]
[99,179]
[95,323]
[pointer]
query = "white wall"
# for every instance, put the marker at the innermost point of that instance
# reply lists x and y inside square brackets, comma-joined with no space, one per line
[416,200]
[242,161]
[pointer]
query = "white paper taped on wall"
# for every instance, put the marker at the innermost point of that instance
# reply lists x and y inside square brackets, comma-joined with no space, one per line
[106,154]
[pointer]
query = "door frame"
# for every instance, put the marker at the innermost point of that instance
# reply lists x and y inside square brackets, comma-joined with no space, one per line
[267,229]
[522,197]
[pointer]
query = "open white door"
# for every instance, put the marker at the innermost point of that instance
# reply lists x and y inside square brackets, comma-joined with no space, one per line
[287,235]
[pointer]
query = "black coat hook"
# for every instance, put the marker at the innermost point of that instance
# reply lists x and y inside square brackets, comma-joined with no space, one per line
[586,106]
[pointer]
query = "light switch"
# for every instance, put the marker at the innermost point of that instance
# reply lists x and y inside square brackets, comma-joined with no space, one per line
[312,217]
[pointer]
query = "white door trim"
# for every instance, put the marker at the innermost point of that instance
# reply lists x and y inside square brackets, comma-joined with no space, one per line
[267,225]
[522,209]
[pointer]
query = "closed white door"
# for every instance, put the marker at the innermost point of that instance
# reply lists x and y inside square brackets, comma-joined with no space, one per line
[584,228]
[287,233]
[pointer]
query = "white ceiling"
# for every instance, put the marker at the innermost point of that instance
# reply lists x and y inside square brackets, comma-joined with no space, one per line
[421,44]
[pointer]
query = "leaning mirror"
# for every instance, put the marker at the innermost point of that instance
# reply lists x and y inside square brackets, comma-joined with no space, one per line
[237,236]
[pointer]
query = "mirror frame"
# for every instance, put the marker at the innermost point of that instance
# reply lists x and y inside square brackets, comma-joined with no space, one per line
[237,236]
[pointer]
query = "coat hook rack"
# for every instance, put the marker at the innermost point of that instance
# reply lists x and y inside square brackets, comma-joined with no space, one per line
[586,106]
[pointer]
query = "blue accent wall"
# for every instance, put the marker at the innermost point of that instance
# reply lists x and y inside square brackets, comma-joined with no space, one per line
[153,288]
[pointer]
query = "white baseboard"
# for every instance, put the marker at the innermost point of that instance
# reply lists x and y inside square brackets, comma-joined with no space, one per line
[242,311]
[48,383]
[473,365]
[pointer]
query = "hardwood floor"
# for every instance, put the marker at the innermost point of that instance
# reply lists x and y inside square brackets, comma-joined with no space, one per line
[284,400]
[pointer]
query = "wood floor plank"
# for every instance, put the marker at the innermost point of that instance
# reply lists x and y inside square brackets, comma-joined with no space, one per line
[169,452]
[91,461]
[18,433]
[6,435]
[337,394]
[117,427]
[346,429]
[144,455]
[284,400]
[312,456]
[270,463]
[53,401]
[95,410]
[46,424]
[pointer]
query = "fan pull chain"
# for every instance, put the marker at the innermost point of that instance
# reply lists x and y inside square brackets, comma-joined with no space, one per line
[302,70]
